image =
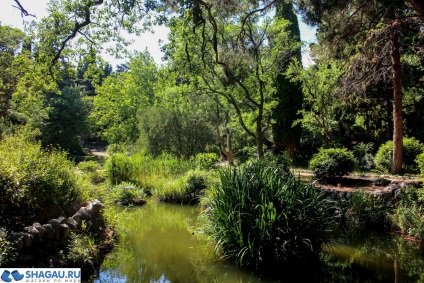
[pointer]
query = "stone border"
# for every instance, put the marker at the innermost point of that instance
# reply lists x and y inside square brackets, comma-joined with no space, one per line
[56,228]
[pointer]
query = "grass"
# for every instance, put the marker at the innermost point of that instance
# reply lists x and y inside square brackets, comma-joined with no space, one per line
[264,219]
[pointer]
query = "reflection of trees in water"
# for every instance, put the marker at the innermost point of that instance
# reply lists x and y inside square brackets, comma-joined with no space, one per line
[378,258]
[159,245]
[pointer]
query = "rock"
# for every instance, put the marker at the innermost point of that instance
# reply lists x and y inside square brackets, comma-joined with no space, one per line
[61,219]
[64,231]
[84,214]
[55,224]
[34,233]
[77,219]
[40,229]
[27,240]
[50,231]
[148,192]
[73,225]
[73,208]
[49,212]
[16,239]
[348,195]
[128,202]
[97,206]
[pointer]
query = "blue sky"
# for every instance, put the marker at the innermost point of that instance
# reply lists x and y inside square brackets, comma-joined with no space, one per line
[12,16]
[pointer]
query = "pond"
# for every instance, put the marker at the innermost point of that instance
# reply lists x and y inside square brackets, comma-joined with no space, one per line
[162,243]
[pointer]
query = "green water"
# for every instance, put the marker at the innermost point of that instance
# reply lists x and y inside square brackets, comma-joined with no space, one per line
[161,243]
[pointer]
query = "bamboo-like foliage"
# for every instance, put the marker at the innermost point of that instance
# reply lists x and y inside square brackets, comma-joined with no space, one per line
[265,219]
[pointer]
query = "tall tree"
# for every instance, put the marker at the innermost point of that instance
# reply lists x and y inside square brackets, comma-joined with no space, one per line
[370,35]
[288,93]
[238,60]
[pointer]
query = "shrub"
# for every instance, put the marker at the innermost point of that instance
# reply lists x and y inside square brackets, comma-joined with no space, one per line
[409,215]
[411,149]
[363,155]
[420,163]
[206,161]
[364,211]
[124,192]
[88,166]
[264,220]
[332,163]
[185,190]
[31,178]
[144,170]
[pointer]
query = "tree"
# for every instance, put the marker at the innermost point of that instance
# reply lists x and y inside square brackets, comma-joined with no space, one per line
[288,93]
[370,35]
[121,96]
[319,85]
[237,60]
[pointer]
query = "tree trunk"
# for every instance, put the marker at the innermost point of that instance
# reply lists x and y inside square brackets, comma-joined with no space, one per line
[290,149]
[397,106]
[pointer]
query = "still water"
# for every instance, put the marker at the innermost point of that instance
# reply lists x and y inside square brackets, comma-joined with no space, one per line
[162,243]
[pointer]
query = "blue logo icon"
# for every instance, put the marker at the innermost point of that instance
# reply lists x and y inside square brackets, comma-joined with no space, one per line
[15,274]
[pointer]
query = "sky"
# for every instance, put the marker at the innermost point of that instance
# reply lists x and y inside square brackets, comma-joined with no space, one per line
[12,16]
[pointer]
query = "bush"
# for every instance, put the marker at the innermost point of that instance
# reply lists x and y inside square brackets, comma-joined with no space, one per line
[125,192]
[144,170]
[264,220]
[185,190]
[420,163]
[409,215]
[363,155]
[88,166]
[332,163]
[364,211]
[31,178]
[206,161]
[411,149]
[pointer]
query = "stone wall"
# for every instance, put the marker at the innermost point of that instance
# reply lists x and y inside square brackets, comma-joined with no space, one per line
[56,229]
[390,193]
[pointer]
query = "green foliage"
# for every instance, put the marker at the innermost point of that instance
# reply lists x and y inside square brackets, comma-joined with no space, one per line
[180,133]
[124,192]
[264,220]
[31,178]
[411,149]
[363,155]
[185,190]
[67,122]
[319,85]
[288,93]
[420,163]
[332,163]
[144,170]
[114,148]
[7,250]
[206,161]
[120,97]
[88,166]
[364,211]
[82,250]
[409,215]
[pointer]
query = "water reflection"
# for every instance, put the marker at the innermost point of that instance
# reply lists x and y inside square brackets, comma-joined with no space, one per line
[161,244]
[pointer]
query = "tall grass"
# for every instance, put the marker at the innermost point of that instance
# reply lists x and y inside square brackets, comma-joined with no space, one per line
[263,219]
[144,170]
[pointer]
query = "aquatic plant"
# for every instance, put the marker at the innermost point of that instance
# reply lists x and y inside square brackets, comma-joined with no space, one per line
[264,219]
